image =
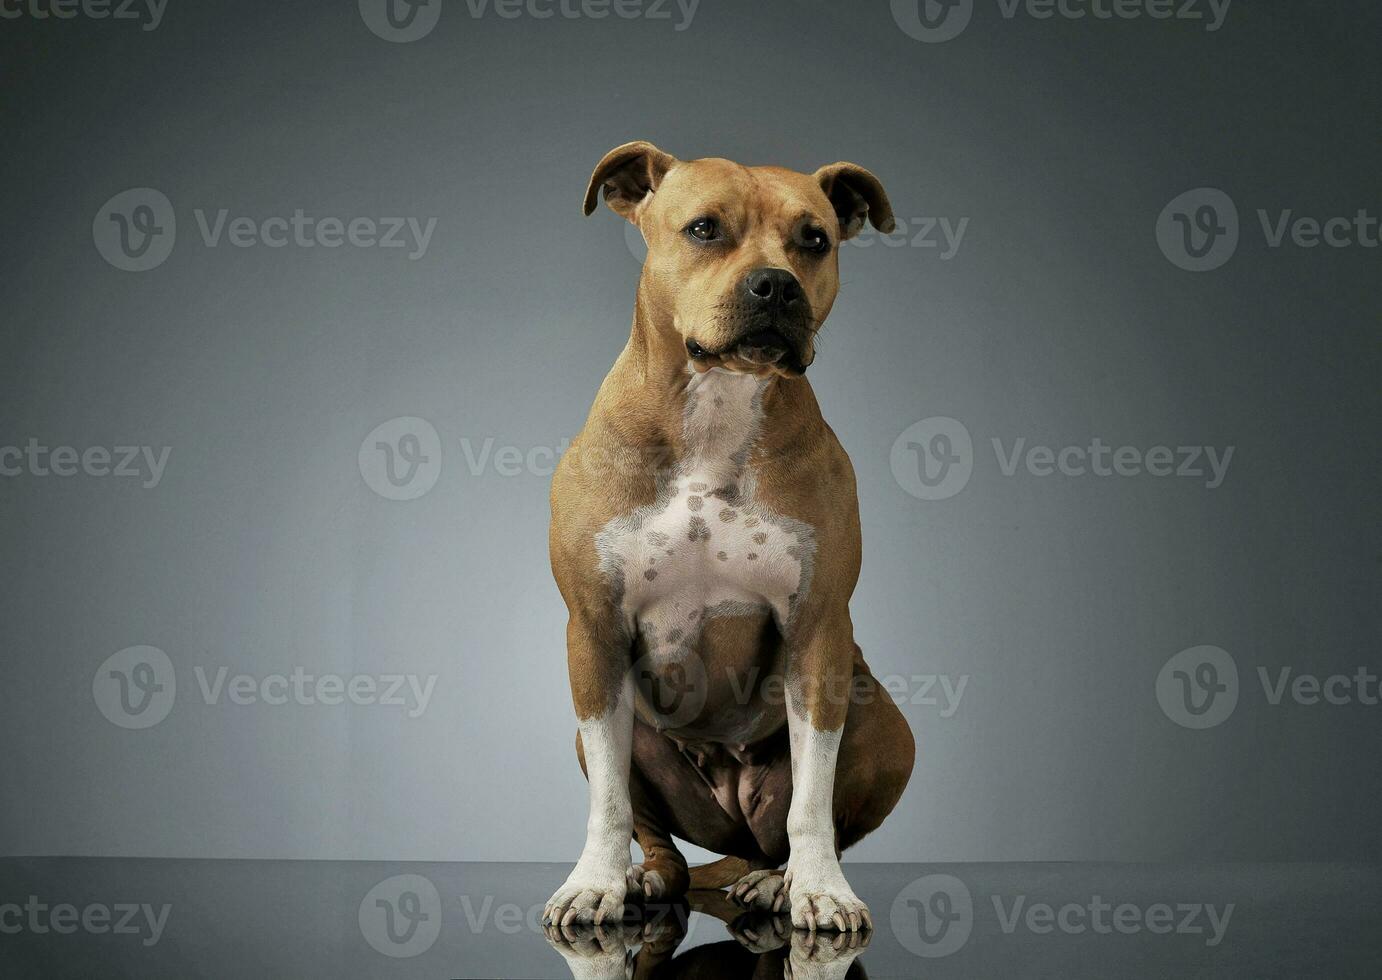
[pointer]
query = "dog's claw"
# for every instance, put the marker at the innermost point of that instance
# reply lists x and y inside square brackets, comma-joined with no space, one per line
[824,902]
[587,899]
[823,954]
[652,885]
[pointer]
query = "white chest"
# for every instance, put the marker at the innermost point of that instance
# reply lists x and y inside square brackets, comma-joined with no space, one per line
[707,546]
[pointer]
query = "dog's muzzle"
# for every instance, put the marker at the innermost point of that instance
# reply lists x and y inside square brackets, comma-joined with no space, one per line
[776,324]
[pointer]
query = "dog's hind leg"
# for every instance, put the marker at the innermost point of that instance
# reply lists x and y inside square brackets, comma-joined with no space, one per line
[875,761]
[663,872]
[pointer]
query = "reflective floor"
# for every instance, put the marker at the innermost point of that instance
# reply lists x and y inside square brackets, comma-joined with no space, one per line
[69,917]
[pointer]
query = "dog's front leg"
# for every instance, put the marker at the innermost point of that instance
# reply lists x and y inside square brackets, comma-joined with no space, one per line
[602,690]
[818,678]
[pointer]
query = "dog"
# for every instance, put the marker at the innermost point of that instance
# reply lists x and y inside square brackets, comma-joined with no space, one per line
[705,539]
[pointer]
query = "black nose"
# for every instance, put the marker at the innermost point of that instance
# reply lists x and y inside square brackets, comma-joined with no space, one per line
[773,289]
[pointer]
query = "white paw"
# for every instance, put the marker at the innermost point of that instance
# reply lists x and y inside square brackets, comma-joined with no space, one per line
[592,954]
[820,898]
[589,897]
[823,956]
[759,891]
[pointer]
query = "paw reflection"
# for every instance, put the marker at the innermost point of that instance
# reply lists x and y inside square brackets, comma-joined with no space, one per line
[644,944]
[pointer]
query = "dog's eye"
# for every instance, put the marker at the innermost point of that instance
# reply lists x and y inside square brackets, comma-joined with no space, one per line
[703,230]
[815,240]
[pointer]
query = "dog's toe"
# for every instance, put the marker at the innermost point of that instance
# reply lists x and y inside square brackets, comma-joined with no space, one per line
[758,890]
[586,900]
[822,899]
[837,912]
[649,883]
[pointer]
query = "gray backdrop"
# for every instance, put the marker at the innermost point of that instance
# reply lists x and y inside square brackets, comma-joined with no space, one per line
[284,531]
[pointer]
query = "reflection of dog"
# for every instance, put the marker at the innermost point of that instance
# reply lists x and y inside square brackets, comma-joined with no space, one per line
[705,533]
[764,946]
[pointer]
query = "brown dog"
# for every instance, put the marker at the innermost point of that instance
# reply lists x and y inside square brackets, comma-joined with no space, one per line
[705,538]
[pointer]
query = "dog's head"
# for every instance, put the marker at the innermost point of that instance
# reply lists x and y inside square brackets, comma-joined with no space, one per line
[742,261]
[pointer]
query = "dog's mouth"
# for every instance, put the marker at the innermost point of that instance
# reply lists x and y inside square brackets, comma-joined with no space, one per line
[761,351]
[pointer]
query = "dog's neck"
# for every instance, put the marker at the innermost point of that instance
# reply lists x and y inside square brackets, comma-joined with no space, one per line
[655,389]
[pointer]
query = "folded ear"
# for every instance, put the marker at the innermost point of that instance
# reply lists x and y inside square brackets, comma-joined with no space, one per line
[628,173]
[855,194]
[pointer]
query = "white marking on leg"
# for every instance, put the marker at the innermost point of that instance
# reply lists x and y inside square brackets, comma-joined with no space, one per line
[811,817]
[596,887]
[819,895]
[608,744]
